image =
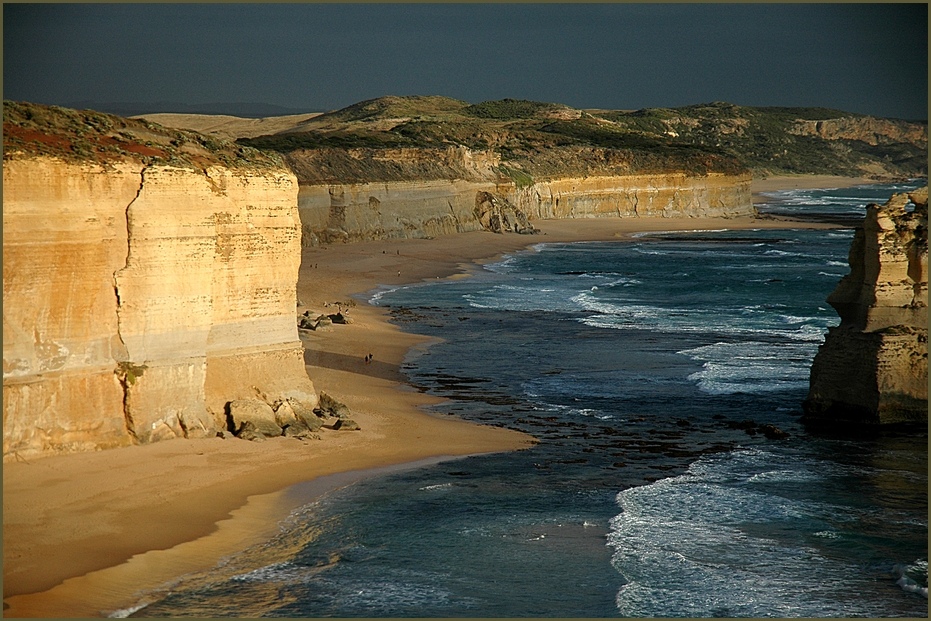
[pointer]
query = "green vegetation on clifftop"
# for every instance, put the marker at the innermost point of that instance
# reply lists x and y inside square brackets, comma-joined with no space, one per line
[548,139]
[88,136]
[535,139]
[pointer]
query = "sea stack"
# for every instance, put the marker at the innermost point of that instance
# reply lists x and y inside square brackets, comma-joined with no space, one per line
[873,368]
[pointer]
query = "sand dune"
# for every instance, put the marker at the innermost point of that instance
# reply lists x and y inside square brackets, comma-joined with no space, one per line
[229,127]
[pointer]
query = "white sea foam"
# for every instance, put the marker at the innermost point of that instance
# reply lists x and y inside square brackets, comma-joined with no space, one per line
[430,488]
[909,576]
[503,266]
[681,232]
[124,613]
[396,591]
[751,366]
[712,543]
[375,299]
[276,572]
[621,315]
[783,253]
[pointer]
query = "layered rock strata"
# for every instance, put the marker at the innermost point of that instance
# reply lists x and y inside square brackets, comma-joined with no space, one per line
[873,368]
[670,195]
[402,204]
[140,299]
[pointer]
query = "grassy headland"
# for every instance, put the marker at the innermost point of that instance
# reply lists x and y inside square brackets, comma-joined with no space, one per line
[545,140]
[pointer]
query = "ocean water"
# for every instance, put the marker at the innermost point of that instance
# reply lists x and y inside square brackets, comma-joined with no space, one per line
[648,370]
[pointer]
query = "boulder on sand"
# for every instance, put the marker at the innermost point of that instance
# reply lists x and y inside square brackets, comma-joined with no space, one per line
[252,419]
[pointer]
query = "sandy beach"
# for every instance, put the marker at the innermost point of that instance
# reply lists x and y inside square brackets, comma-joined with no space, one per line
[86,534]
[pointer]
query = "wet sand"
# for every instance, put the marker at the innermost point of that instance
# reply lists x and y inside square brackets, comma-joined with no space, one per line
[87,534]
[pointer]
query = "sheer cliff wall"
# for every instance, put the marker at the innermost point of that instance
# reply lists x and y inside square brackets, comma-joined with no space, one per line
[424,193]
[671,195]
[139,300]
[873,367]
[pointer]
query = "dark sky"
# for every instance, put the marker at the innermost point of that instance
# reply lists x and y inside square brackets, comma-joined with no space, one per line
[868,58]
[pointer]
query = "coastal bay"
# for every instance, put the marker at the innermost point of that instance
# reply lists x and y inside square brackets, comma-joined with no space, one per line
[114,523]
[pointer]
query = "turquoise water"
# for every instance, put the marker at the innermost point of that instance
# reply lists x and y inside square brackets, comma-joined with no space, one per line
[648,370]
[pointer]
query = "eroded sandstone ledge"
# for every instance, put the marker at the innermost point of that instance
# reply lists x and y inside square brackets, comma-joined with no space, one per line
[873,368]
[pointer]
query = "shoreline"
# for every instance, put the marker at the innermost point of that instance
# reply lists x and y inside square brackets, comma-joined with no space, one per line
[73,511]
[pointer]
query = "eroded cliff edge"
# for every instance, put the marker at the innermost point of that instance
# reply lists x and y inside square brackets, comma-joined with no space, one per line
[148,280]
[873,368]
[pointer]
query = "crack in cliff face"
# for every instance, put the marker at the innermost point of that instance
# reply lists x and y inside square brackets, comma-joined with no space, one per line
[122,356]
[452,210]
[217,188]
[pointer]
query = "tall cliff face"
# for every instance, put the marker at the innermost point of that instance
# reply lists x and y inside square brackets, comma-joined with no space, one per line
[140,297]
[672,195]
[430,192]
[873,368]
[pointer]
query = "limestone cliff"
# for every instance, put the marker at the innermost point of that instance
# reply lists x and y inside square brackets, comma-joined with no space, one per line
[670,195]
[142,293]
[431,192]
[873,368]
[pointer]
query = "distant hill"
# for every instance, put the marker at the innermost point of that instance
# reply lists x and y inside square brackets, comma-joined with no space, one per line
[227,126]
[544,140]
[247,110]
[718,135]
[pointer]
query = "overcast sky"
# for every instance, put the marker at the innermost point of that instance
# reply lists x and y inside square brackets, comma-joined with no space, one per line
[868,58]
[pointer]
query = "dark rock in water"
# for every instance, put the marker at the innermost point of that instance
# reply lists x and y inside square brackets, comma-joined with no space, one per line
[746,425]
[873,368]
[773,433]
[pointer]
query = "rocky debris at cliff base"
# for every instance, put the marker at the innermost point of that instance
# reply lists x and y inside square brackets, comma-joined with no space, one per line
[305,415]
[307,321]
[339,318]
[251,419]
[346,424]
[330,407]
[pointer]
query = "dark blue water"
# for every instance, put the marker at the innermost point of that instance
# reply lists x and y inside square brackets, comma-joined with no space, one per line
[663,377]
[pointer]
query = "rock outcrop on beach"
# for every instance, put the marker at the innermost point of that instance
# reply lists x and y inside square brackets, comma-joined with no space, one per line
[873,368]
[149,279]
